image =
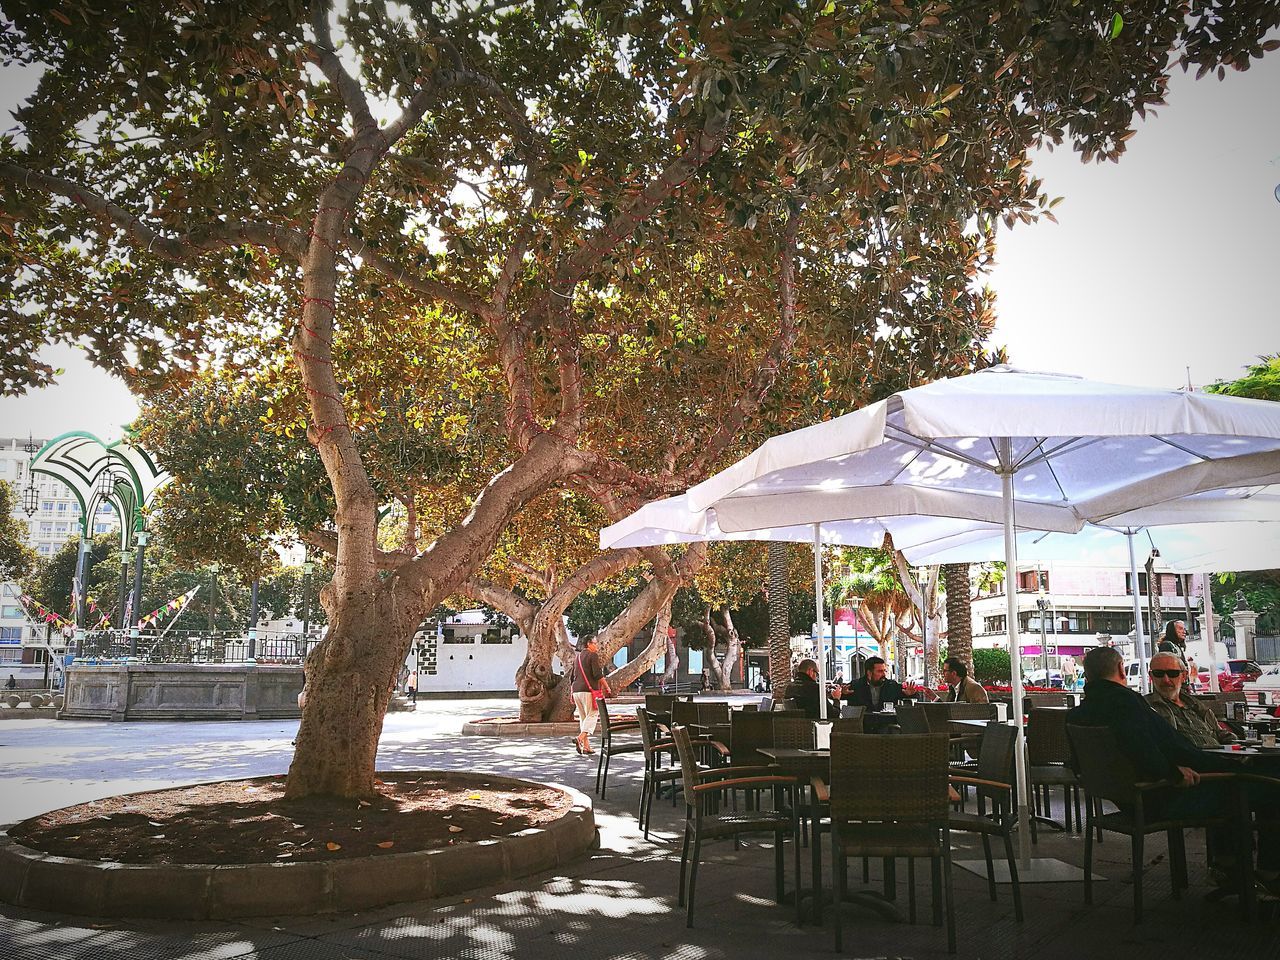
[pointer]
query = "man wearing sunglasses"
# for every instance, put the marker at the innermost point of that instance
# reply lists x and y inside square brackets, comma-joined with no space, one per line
[1189,716]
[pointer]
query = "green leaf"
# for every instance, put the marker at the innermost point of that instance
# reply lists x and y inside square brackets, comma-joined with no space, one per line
[1117,24]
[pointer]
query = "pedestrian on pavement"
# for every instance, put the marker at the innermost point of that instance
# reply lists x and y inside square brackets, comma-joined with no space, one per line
[11,684]
[589,685]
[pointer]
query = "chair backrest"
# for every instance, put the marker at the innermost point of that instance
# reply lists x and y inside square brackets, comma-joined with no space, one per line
[1047,736]
[749,731]
[850,724]
[901,779]
[796,732]
[1218,701]
[936,714]
[913,720]
[788,713]
[713,711]
[659,702]
[970,711]
[785,704]
[995,758]
[850,712]
[766,704]
[1033,700]
[648,731]
[684,711]
[1104,770]
[688,762]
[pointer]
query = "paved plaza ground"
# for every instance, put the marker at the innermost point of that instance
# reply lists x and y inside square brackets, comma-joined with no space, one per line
[618,903]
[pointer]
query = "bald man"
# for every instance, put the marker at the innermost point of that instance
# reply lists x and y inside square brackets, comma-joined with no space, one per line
[1169,698]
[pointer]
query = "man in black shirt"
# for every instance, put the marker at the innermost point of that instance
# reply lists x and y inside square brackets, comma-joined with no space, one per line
[804,690]
[875,689]
[1159,752]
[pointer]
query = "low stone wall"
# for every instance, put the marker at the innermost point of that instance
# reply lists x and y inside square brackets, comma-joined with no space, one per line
[29,878]
[512,727]
[181,691]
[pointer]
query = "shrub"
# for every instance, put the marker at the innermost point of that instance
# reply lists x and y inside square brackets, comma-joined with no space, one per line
[992,666]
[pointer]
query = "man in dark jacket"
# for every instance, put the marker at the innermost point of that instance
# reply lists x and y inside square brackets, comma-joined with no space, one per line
[1159,752]
[874,689]
[804,690]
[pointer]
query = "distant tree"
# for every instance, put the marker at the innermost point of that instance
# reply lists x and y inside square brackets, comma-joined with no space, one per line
[1260,382]
[16,558]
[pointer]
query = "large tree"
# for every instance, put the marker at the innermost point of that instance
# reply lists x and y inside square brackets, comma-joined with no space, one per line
[187,171]
[16,558]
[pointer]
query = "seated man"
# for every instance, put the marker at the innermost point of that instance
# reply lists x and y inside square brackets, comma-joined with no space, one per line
[875,689]
[1190,717]
[804,690]
[1159,752]
[961,688]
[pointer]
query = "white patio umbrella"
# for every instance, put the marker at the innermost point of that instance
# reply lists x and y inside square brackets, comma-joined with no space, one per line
[1041,451]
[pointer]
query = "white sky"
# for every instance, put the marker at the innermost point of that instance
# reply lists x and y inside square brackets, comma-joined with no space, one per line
[1164,261]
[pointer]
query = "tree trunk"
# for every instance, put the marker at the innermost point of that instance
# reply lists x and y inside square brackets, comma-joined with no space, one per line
[715,676]
[349,681]
[672,665]
[779,617]
[959,613]
[624,676]
[733,649]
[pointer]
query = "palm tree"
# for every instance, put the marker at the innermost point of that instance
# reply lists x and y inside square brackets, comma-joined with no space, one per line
[959,612]
[779,617]
[868,576]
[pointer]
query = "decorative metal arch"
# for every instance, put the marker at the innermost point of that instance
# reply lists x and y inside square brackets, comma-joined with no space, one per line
[79,459]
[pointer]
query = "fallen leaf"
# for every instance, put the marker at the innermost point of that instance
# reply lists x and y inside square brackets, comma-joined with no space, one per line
[364,803]
[333,846]
[286,843]
[155,823]
[387,844]
[475,796]
[454,828]
[282,856]
[157,836]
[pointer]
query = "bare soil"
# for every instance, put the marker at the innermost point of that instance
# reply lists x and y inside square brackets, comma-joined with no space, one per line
[249,821]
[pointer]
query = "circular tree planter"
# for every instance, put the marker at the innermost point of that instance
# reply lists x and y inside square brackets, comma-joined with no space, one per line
[332,879]
[514,727]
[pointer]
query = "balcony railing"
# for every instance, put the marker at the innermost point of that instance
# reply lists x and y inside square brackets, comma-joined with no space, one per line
[195,647]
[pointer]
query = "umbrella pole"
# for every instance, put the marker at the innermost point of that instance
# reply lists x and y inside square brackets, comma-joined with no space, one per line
[1015,651]
[1210,632]
[819,639]
[1139,634]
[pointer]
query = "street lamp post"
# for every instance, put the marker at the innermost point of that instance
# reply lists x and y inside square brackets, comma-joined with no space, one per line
[307,568]
[213,594]
[135,605]
[1042,604]
[253,620]
[126,558]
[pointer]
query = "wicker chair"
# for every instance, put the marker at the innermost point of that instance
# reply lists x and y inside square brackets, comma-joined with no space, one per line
[748,732]
[889,798]
[655,774]
[706,819]
[915,721]
[659,706]
[848,712]
[1107,774]
[1032,701]
[684,712]
[785,703]
[993,783]
[1049,759]
[611,743]
[855,722]
[970,711]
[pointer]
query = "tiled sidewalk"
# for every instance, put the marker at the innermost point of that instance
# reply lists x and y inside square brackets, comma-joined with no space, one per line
[619,903]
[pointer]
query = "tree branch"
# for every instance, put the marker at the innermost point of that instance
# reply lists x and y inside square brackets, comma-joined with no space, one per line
[181,248]
[326,58]
[435,289]
[766,374]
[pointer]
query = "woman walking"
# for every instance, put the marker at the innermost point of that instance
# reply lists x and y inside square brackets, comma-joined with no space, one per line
[589,685]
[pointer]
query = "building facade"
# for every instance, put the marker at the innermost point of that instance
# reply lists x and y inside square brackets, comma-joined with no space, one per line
[1085,607]
[23,644]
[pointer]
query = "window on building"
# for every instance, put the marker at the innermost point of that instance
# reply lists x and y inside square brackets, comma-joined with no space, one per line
[496,635]
[46,506]
[993,624]
[101,527]
[450,635]
[45,549]
[60,528]
[46,529]
[10,654]
[10,611]
[62,507]
[1142,584]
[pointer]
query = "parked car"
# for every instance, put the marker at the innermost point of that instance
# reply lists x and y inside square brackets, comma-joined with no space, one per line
[1234,674]
[1037,678]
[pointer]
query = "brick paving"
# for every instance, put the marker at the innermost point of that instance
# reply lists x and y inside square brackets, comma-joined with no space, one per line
[618,903]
